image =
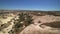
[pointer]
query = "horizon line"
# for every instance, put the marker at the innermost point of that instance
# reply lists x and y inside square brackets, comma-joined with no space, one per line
[29,9]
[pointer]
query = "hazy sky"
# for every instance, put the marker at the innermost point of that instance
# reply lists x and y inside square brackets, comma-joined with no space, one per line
[30,4]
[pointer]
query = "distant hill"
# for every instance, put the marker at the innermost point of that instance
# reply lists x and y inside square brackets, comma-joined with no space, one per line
[55,13]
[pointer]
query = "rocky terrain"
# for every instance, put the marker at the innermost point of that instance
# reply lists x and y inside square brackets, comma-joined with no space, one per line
[29,22]
[48,25]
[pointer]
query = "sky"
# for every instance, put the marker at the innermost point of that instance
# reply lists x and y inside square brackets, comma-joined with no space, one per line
[30,4]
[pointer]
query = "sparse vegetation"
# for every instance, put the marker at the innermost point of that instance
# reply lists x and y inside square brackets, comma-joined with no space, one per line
[25,19]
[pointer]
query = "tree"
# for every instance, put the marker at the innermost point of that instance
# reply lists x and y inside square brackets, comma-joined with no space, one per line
[21,17]
[18,25]
[25,18]
[28,20]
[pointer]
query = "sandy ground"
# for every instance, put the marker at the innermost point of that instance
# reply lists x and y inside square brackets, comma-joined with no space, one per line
[6,30]
[36,29]
[6,20]
[46,18]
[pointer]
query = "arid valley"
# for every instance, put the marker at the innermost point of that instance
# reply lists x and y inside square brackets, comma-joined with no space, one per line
[29,22]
